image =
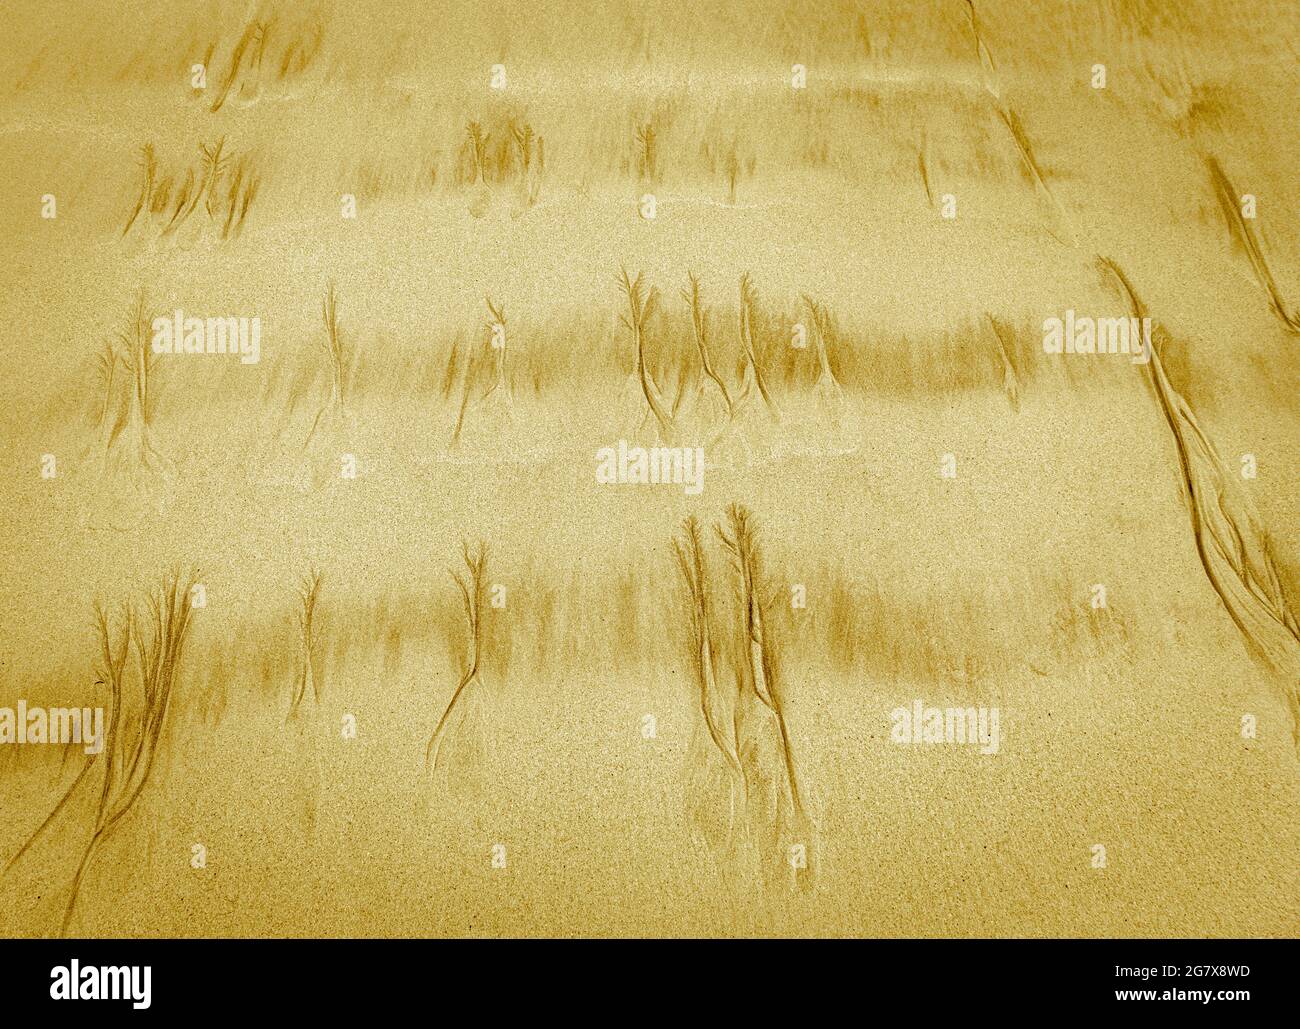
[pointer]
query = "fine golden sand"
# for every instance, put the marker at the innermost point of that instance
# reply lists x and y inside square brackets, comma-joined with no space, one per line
[388,639]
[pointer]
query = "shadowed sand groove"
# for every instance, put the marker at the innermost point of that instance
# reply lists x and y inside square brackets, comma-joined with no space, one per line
[460,727]
[764,814]
[1244,236]
[1230,537]
[153,632]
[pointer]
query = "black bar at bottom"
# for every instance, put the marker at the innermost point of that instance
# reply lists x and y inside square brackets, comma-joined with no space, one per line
[337,977]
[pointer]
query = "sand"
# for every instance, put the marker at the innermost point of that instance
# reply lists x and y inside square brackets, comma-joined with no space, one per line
[950,517]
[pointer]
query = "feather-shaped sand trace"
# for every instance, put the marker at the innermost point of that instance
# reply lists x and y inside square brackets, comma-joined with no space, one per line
[153,630]
[1230,537]
[743,715]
